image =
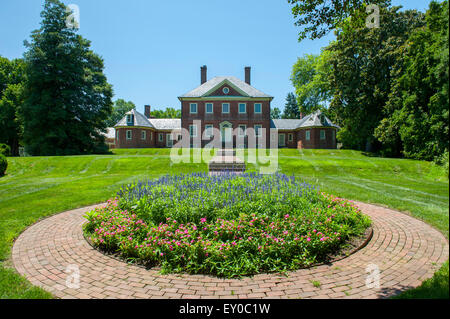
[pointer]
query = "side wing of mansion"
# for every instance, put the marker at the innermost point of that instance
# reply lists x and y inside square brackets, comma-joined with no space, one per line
[223,112]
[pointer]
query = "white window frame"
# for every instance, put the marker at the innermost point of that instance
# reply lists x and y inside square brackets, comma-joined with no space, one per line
[308,135]
[290,137]
[242,133]
[190,108]
[131,135]
[194,130]
[130,119]
[227,89]
[210,133]
[260,108]
[245,108]
[160,137]
[258,133]
[212,108]
[117,134]
[323,135]
[143,135]
[228,108]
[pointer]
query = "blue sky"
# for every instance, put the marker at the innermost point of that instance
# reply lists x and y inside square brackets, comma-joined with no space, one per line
[153,50]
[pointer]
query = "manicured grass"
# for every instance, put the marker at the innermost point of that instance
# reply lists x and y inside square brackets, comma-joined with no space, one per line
[41,186]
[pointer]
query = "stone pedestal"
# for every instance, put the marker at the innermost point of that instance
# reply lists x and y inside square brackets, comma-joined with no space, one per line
[226,161]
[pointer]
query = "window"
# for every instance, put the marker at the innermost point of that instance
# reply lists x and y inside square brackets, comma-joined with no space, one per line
[290,137]
[225,108]
[258,129]
[226,90]
[160,137]
[193,108]
[242,130]
[193,130]
[258,108]
[117,135]
[308,135]
[208,130]
[151,136]
[144,135]
[130,119]
[322,134]
[129,134]
[242,108]
[209,108]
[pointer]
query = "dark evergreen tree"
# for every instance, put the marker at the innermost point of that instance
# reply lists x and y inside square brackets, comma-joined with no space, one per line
[291,109]
[67,97]
[275,113]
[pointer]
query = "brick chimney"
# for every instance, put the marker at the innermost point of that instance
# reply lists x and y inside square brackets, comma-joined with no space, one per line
[203,70]
[247,75]
[147,111]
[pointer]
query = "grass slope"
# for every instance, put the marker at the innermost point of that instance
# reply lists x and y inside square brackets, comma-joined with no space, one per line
[41,186]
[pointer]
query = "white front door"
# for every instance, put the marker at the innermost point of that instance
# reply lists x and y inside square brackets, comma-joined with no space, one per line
[226,133]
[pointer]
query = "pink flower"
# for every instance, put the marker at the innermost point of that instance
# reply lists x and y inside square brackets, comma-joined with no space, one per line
[308,239]
[203,220]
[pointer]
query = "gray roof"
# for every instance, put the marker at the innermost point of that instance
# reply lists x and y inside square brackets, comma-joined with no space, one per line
[219,80]
[285,124]
[311,120]
[166,124]
[139,120]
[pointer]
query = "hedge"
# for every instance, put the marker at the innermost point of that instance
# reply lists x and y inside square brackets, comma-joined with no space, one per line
[3,165]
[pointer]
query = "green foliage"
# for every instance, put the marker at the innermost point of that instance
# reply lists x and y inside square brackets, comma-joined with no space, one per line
[417,119]
[361,62]
[310,79]
[291,109]
[67,97]
[3,164]
[225,225]
[275,113]
[12,77]
[317,18]
[120,108]
[5,150]
[168,113]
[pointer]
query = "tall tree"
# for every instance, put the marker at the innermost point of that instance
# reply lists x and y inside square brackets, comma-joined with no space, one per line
[417,119]
[67,97]
[291,110]
[120,108]
[275,113]
[316,18]
[310,78]
[362,61]
[12,77]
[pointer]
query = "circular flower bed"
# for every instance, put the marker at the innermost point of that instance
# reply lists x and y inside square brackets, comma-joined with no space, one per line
[227,225]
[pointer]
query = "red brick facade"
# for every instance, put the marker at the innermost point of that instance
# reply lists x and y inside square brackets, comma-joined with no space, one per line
[232,92]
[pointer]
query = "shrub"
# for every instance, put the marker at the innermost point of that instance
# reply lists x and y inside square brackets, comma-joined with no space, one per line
[227,225]
[3,165]
[5,150]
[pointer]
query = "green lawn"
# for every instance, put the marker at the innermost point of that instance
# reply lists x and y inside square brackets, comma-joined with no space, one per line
[41,186]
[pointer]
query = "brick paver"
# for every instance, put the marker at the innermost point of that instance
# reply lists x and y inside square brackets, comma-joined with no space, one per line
[406,251]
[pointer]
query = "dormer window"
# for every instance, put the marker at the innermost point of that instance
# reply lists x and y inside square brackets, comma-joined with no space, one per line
[226,90]
[130,119]
[322,119]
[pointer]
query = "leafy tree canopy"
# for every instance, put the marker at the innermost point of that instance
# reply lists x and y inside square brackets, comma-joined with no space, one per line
[275,113]
[168,113]
[12,77]
[316,18]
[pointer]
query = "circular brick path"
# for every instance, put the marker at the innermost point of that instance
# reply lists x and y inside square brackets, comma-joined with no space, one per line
[402,253]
